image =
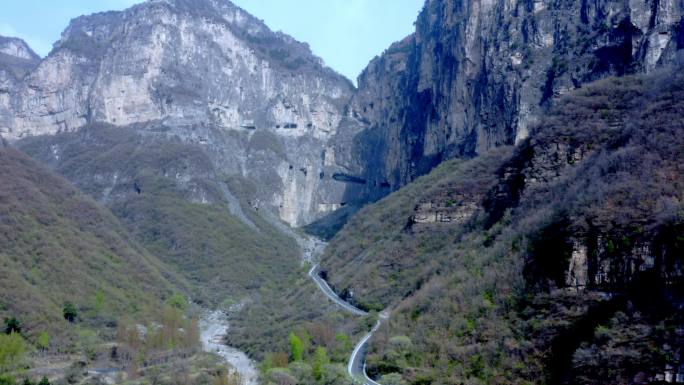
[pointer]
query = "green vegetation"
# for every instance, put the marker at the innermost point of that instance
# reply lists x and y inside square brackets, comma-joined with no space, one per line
[12,325]
[310,362]
[296,347]
[169,196]
[207,244]
[385,230]
[43,341]
[182,217]
[12,351]
[49,231]
[177,301]
[294,305]
[320,359]
[69,312]
[488,299]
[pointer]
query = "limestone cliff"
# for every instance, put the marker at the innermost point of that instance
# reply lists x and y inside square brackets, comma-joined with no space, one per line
[16,60]
[479,74]
[474,75]
[259,102]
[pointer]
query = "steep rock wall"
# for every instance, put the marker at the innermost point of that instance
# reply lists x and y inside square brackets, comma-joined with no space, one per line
[479,74]
[206,72]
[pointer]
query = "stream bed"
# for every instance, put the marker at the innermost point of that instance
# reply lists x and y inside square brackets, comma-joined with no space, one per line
[213,326]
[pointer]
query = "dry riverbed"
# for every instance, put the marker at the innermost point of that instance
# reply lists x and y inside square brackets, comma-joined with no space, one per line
[213,326]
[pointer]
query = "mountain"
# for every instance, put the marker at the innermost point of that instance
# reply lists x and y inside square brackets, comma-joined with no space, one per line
[479,75]
[200,128]
[178,205]
[533,149]
[264,108]
[57,246]
[16,58]
[259,103]
[557,262]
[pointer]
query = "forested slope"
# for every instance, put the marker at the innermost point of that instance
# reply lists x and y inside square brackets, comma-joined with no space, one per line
[58,246]
[560,263]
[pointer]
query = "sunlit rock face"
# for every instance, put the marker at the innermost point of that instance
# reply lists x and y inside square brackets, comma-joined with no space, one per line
[17,48]
[474,75]
[262,105]
[479,74]
[16,60]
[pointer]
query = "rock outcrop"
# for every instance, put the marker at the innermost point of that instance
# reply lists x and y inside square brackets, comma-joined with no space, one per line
[16,60]
[17,48]
[478,74]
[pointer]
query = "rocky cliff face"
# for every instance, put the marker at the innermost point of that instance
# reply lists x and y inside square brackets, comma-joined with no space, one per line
[479,74]
[17,48]
[555,263]
[16,60]
[207,72]
[473,76]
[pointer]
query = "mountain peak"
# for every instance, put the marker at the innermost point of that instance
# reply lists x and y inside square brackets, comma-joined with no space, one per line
[16,60]
[17,48]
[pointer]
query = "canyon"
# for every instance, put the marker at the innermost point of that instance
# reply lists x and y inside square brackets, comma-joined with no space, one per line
[504,178]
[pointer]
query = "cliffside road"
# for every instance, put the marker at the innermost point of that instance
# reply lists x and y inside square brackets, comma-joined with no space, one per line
[357,362]
[325,288]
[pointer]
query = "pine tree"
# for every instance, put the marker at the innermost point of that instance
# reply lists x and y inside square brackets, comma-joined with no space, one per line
[69,312]
[12,325]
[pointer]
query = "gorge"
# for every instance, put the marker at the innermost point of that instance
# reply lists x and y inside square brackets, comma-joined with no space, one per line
[503,180]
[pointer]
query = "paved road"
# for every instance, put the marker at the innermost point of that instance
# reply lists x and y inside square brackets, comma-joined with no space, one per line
[357,362]
[325,288]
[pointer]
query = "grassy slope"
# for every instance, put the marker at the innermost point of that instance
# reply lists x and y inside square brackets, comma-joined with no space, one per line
[223,257]
[58,245]
[180,213]
[484,302]
[381,257]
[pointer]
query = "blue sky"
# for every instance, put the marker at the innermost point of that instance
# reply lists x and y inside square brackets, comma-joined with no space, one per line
[347,34]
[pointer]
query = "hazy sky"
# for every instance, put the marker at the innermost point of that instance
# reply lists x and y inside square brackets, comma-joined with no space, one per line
[347,34]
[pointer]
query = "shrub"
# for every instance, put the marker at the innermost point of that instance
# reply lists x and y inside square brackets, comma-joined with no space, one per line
[43,341]
[392,379]
[12,349]
[12,325]
[177,301]
[69,311]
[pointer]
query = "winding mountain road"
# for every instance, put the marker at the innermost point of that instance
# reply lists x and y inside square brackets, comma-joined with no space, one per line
[356,367]
[325,288]
[357,362]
